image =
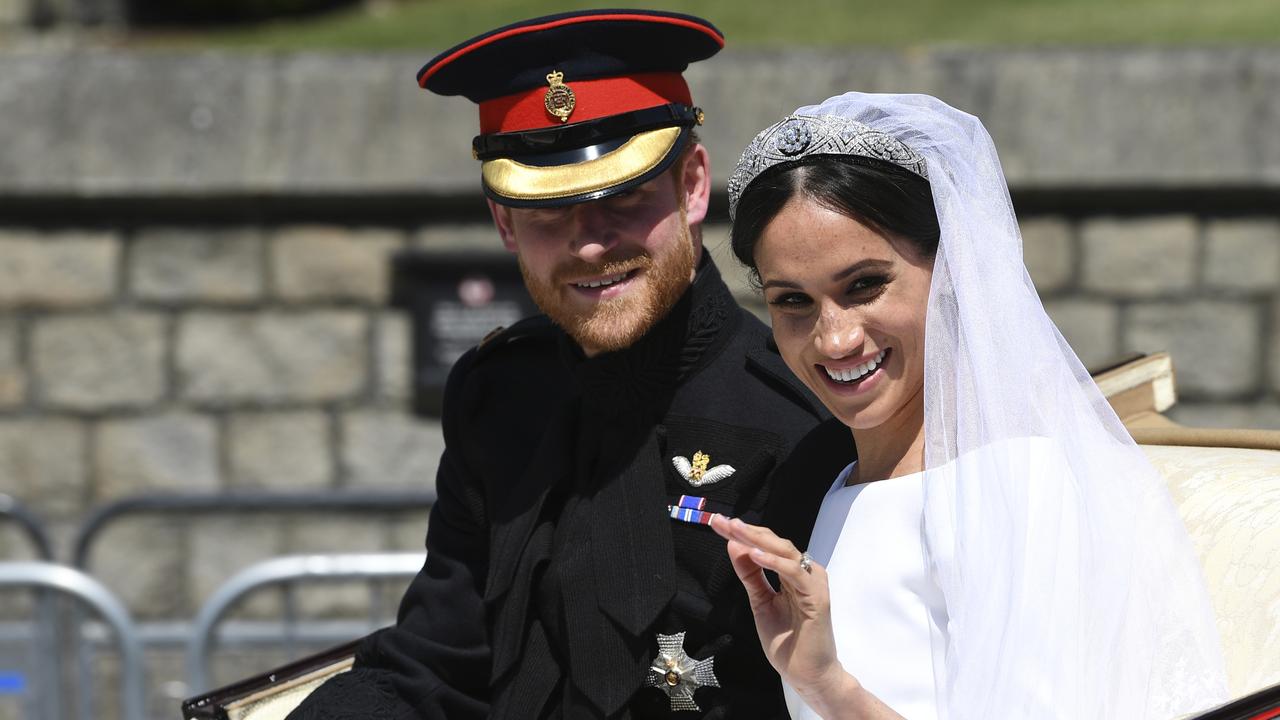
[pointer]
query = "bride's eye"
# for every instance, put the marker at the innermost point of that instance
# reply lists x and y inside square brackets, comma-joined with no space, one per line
[790,301]
[868,288]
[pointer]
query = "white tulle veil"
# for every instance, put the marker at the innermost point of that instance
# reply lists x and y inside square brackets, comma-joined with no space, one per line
[1071,588]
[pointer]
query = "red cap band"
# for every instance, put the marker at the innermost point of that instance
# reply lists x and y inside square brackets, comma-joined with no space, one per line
[592,99]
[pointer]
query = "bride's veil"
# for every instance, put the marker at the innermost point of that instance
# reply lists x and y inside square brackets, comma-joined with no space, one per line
[1071,587]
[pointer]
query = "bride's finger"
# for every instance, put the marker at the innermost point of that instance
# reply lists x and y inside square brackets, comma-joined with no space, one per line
[720,524]
[759,591]
[790,570]
[763,538]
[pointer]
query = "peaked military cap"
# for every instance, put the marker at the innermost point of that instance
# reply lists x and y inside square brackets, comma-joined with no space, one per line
[577,106]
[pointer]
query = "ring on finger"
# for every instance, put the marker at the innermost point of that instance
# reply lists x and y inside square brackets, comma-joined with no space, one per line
[806,562]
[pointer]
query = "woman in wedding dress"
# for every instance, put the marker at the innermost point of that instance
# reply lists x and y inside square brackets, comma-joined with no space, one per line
[1000,548]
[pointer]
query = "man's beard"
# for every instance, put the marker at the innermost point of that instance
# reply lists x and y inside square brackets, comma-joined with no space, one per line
[617,323]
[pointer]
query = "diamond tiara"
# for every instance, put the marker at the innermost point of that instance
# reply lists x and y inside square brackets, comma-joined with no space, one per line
[799,136]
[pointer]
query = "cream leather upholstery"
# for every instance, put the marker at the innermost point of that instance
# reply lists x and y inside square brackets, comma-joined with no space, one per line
[1229,497]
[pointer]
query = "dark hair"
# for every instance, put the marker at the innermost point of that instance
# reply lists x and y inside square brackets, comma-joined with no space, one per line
[893,200]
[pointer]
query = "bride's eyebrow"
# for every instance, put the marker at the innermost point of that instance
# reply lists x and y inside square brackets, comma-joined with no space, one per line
[869,263]
[862,265]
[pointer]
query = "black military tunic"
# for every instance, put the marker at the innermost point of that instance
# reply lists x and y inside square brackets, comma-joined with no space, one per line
[553,563]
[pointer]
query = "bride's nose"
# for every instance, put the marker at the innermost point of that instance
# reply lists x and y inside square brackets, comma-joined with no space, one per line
[838,332]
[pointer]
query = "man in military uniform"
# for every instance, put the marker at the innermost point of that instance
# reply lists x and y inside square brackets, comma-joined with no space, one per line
[570,571]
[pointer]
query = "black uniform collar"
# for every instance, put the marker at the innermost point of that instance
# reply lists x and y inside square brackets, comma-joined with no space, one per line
[646,373]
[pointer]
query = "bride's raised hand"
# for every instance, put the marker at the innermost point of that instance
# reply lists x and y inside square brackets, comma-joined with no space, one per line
[794,622]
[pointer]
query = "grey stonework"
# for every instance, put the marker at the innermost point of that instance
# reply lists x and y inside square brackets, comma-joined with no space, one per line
[1048,249]
[99,361]
[394,347]
[470,237]
[1216,345]
[1228,415]
[330,533]
[13,378]
[220,547]
[256,123]
[1141,257]
[390,450]
[142,561]
[42,464]
[1091,327]
[1242,255]
[272,357]
[177,264]
[280,451]
[317,263]
[57,269]
[13,13]
[165,452]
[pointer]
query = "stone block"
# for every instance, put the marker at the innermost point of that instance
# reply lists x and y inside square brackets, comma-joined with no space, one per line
[281,450]
[222,547]
[179,123]
[333,263]
[394,381]
[1091,327]
[272,357]
[143,561]
[43,464]
[16,545]
[1116,117]
[172,452]
[12,14]
[469,237]
[1216,345]
[58,269]
[173,264]
[1049,252]
[332,533]
[390,450]
[1139,257]
[13,377]
[99,361]
[1242,255]
[408,533]
[1264,415]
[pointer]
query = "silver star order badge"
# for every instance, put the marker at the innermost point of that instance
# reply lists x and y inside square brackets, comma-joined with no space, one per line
[677,674]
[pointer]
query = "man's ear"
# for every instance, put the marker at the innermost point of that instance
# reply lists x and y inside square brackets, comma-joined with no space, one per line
[502,220]
[696,180]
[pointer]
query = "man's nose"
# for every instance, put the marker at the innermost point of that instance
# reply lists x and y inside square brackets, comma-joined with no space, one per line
[592,233]
[838,332]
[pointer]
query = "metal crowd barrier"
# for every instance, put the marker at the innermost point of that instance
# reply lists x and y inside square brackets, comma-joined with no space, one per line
[242,503]
[11,509]
[46,577]
[286,572]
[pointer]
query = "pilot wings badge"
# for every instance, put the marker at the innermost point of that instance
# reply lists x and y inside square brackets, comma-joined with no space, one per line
[696,473]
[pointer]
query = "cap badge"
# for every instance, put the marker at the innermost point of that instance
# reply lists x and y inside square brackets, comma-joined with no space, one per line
[677,674]
[695,472]
[559,99]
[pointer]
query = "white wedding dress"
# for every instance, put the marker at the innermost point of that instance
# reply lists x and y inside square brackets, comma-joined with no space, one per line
[884,607]
[887,611]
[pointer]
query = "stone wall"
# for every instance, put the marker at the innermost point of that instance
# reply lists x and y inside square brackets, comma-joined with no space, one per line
[194,257]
